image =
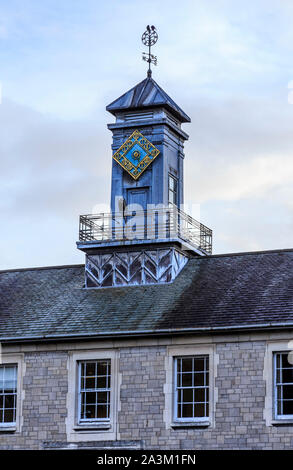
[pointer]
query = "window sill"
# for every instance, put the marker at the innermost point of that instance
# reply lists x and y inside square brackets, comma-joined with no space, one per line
[191,424]
[7,429]
[281,422]
[93,427]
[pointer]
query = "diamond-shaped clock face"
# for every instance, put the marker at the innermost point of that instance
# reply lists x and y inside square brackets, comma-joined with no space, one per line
[136,154]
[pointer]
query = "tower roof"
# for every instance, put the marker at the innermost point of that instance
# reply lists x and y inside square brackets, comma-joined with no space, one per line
[147,94]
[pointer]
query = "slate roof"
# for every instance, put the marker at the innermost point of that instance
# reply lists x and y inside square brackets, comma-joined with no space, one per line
[147,94]
[215,292]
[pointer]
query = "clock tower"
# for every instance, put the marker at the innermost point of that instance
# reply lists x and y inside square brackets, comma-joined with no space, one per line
[146,238]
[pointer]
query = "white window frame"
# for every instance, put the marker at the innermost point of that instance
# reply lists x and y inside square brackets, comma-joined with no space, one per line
[3,394]
[109,390]
[275,392]
[92,429]
[176,387]
[270,411]
[173,191]
[188,350]
[10,359]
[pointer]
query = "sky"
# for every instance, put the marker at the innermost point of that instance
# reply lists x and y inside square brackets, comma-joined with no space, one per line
[228,64]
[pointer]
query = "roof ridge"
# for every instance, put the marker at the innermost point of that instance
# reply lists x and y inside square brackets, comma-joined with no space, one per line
[63,266]
[146,80]
[242,253]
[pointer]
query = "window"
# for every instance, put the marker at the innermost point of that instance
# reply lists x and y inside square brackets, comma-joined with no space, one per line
[190,390]
[173,190]
[94,390]
[8,394]
[191,400]
[93,395]
[283,386]
[278,374]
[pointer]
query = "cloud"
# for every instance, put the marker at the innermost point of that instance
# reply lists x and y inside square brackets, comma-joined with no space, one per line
[51,172]
[226,63]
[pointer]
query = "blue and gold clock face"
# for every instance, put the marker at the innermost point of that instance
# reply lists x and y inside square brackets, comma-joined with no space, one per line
[136,154]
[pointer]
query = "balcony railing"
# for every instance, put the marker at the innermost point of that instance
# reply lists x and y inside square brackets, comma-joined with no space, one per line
[152,224]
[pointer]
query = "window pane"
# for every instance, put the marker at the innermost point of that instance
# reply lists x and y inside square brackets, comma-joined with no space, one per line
[180,396]
[278,360]
[288,375]
[207,409]
[199,410]
[279,392]
[102,411]
[187,411]
[199,379]
[8,416]
[287,392]
[89,382]
[9,378]
[9,401]
[187,365]
[171,183]
[102,368]
[90,369]
[102,397]
[187,380]
[101,382]
[207,390]
[171,197]
[199,364]
[90,411]
[90,398]
[188,395]
[285,362]
[287,407]
[199,394]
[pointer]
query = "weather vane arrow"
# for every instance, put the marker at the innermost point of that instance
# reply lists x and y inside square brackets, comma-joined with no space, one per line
[149,38]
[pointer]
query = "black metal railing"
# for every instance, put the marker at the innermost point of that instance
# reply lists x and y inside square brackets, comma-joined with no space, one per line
[156,224]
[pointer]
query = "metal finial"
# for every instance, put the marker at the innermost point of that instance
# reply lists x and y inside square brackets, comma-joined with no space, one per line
[149,38]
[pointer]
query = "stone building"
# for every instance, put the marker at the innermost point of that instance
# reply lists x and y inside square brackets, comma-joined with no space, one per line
[153,343]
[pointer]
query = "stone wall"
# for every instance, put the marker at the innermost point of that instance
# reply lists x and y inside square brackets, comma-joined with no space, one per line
[239,421]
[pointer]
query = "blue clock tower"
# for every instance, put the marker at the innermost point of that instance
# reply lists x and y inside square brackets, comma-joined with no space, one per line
[146,108]
[146,238]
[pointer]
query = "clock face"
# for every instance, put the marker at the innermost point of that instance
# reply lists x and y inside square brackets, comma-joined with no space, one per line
[136,154]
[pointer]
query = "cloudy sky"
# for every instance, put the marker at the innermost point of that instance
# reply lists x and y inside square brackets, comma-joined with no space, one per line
[228,64]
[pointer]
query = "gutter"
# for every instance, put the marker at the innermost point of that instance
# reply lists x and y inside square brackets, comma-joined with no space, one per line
[145,333]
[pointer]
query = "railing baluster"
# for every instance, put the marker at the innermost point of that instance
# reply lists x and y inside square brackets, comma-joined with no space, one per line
[106,227]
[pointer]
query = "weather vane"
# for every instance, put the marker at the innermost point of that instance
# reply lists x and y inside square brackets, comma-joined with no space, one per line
[149,38]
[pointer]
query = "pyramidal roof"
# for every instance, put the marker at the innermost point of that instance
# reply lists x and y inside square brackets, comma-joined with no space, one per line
[147,94]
